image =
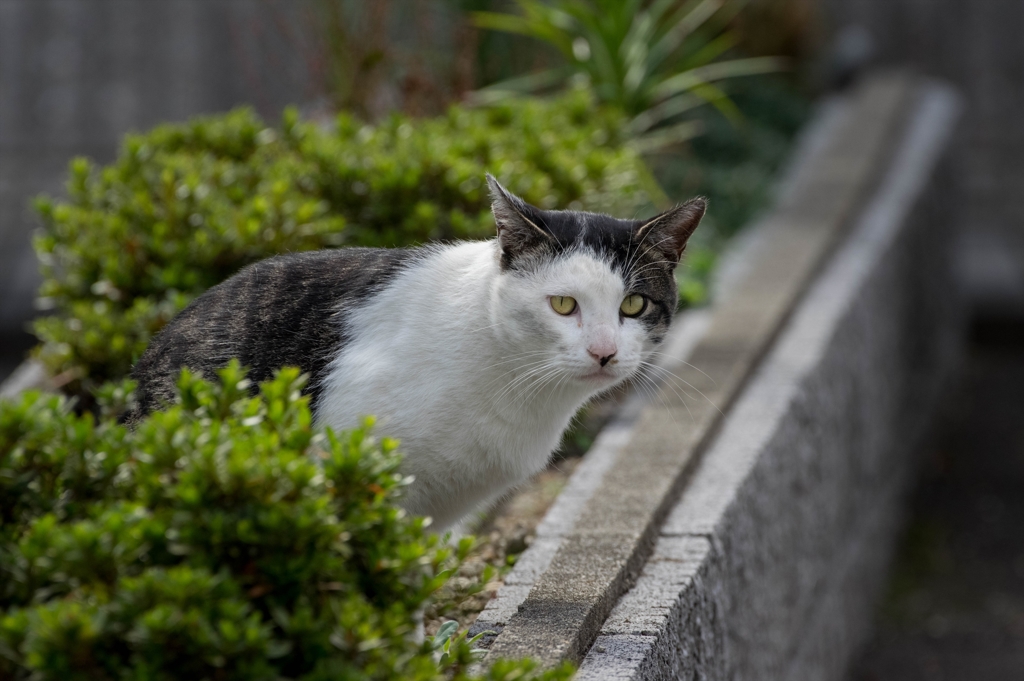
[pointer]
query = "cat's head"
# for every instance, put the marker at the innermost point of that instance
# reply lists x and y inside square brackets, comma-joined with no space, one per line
[585,295]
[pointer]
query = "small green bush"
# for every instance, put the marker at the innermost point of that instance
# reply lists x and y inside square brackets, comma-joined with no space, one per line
[221,539]
[185,206]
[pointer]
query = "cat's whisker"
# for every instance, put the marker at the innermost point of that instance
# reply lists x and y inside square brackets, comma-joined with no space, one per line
[520,367]
[489,326]
[682,397]
[544,366]
[679,392]
[664,379]
[526,353]
[646,386]
[631,259]
[631,254]
[539,384]
[563,378]
[559,376]
[665,373]
[526,391]
[516,358]
[673,358]
[654,264]
[654,393]
[634,275]
[526,395]
[512,385]
[555,392]
[639,255]
[639,282]
[649,266]
[651,247]
[669,374]
[519,360]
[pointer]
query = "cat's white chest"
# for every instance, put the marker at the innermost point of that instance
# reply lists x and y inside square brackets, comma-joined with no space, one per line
[422,359]
[464,441]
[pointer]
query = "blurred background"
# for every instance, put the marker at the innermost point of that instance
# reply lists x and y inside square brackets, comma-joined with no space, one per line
[77,75]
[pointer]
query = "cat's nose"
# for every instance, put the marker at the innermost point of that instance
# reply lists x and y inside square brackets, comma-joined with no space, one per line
[602,353]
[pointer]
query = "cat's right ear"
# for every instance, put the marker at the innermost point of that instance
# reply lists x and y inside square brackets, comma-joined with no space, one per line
[518,224]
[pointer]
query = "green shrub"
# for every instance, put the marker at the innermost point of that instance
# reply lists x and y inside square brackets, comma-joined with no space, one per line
[221,539]
[185,206]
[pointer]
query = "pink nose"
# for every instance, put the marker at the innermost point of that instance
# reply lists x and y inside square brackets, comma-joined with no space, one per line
[602,352]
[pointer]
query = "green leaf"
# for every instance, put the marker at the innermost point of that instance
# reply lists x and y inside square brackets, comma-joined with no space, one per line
[445,633]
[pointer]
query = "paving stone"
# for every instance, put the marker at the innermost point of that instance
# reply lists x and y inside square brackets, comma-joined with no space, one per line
[623,653]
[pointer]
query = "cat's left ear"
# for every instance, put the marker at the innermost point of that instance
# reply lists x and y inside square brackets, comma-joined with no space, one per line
[670,231]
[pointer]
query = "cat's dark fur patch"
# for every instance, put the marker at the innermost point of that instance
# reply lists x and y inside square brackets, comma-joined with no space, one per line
[283,311]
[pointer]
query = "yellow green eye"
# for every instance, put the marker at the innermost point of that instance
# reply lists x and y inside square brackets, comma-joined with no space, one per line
[563,304]
[633,305]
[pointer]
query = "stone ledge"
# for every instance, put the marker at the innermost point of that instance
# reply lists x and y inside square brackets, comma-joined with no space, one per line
[782,536]
[602,553]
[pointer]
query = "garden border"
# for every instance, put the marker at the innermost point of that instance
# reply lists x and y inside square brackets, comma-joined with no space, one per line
[684,615]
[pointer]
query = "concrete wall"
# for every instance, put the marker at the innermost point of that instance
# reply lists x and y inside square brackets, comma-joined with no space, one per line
[977,45]
[76,75]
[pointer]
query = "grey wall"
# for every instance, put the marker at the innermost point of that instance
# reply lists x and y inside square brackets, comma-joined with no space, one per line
[75,75]
[979,46]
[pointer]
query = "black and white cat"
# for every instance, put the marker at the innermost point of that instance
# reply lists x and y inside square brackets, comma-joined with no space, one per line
[475,355]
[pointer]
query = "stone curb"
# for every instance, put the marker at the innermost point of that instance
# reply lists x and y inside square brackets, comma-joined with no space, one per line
[768,566]
[687,330]
[566,606]
[735,263]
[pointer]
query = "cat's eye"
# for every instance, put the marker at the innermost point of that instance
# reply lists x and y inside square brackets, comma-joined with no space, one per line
[633,305]
[563,305]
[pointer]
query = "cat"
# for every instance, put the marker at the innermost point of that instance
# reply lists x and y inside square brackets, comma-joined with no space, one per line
[475,355]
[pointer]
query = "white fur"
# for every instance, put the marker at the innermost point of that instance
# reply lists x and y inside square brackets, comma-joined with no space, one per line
[476,375]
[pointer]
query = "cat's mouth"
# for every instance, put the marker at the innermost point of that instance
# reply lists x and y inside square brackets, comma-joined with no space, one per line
[599,375]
